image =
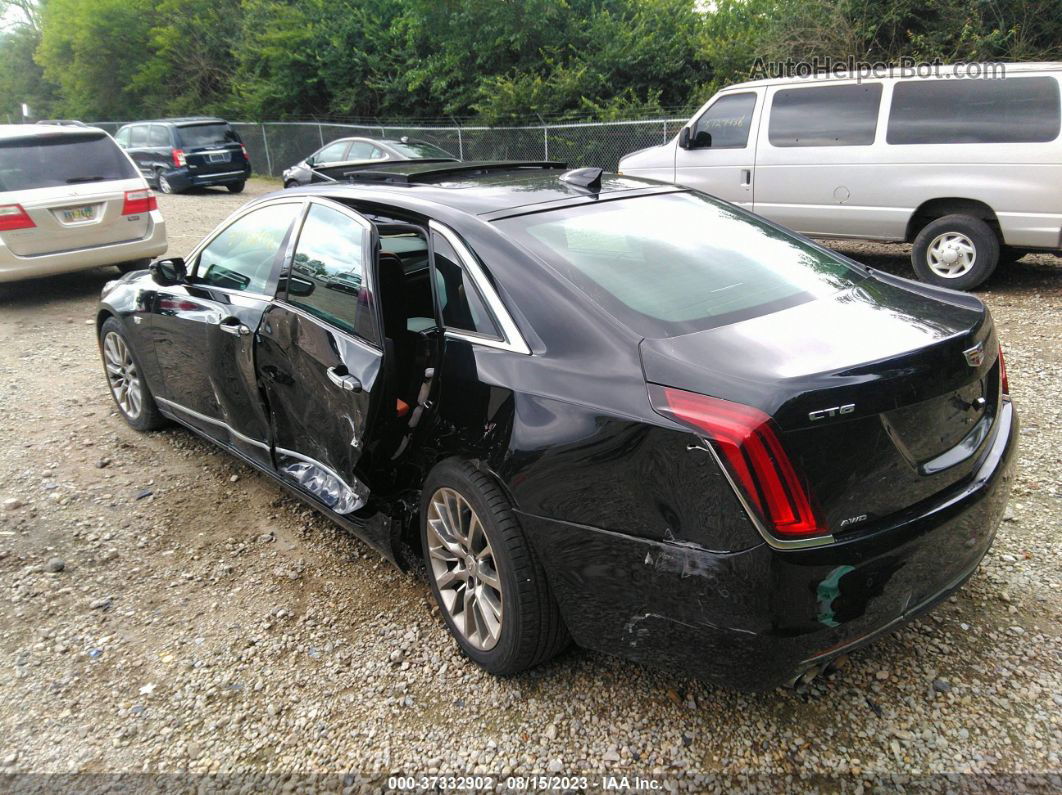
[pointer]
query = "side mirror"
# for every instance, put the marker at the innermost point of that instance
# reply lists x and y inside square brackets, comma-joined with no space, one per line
[168,272]
[296,286]
[684,138]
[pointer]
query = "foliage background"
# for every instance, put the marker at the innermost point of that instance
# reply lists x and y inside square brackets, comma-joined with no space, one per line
[493,61]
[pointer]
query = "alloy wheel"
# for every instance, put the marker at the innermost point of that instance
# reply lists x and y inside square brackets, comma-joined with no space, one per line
[164,184]
[122,375]
[464,568]
[951,255]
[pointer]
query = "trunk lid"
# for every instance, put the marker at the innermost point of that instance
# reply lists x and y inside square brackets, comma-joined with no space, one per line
[873,396]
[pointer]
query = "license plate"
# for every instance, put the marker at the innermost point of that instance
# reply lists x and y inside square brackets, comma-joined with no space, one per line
[75,214]
[220,157]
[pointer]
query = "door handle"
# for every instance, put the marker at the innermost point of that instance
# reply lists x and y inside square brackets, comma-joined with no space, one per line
[343,380]
[231,325]
[746,177]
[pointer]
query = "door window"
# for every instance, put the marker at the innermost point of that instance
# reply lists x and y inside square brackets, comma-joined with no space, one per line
[996,111]
[158,137]
[363,150]
[726,124]
[123,137]
[242,257]
[460,303]
[327,277]
[138,135]
[825,116]
[332,153]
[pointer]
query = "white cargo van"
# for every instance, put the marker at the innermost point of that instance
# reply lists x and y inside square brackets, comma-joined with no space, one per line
[967,169]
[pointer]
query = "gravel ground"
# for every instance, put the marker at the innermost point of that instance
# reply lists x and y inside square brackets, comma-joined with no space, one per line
[167,609]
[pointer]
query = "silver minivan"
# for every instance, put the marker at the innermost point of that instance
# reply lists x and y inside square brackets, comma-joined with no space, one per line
[968,170]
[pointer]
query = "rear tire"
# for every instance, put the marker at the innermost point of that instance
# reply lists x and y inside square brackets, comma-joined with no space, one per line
[235,187]
[511,627]
[133,265]
[956,251]
[164,184]
[125,377]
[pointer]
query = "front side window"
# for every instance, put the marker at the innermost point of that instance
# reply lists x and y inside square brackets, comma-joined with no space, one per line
[63,159]
[332,153]
[123,137]
[676,263]
[996,111]
[242,257]
[460,304]
[726,124]
[327,277]
[825,116]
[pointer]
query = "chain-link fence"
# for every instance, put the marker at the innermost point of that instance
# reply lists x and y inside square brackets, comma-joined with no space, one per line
[274,146]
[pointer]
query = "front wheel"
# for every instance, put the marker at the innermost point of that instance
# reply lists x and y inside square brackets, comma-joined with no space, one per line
[956,251]
[235,187]
[125,378]
[490,587]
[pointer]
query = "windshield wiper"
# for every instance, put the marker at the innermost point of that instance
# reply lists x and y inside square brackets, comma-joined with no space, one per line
[74,180]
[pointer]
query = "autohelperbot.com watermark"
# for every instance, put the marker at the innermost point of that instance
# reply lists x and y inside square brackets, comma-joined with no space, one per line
[864,70]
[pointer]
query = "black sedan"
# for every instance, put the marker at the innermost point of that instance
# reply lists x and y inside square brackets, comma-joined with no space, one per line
[597,407]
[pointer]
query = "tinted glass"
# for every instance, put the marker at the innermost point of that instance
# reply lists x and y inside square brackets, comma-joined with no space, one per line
[825,116]
[61,160]
[242,257]
[332,152]
[327,278]
[206,135]
[1010,110]
[158,136]
[461,305]
[676,263]
[726,124]
[415,151]
[361,150]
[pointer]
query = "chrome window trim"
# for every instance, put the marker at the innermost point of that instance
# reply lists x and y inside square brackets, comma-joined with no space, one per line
[512,340]
[364,343]
[213,421]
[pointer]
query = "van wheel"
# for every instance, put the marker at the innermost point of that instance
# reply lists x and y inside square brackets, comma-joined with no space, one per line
[163,183]
[489,585]
[235,187]
[956,251]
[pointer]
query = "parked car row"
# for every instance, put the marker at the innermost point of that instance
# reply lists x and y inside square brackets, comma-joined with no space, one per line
[967,170]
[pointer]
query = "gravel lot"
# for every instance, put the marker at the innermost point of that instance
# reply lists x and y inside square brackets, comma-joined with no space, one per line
[167,609]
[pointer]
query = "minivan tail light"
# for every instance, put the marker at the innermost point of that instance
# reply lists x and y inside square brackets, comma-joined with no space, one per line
[246,156]
[139,201]
[13,216]
[1004,383]
[745,438]
[178,158]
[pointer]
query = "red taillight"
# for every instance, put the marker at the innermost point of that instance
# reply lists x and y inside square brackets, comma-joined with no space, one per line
[12,216]
[139,201]
[246,156]
[751,449]
[1003,372]
[178,158]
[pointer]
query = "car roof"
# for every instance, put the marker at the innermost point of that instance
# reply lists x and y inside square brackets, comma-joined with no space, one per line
[898,72]
[181,120]
[483,188]
[10,131]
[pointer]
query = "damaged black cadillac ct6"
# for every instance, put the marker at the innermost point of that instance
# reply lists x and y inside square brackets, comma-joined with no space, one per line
[601,409]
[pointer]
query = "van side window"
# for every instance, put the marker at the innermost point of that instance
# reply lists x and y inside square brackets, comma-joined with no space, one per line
[159,137]
[462,307]
[970,111]
[123,137]
[138,135]
[726,124]
[825,116]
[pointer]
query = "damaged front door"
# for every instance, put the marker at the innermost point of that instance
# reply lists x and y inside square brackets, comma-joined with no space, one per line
[319,357]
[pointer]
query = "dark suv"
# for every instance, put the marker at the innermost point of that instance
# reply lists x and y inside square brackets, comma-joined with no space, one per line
[178,154]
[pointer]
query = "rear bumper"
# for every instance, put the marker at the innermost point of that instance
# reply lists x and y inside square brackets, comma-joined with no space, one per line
[757,618]
[14,267]
[184,178]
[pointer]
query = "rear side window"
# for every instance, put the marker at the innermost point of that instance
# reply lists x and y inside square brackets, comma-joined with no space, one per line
[996,111]
[159,136]
[362,150]
[675,263]
[138,136]
[46,162]
[825,116]
[195,135]
[726,124]
[327,277]
[460,303]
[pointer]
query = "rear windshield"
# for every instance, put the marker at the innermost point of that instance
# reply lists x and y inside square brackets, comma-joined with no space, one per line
[70,159]
[206,135]
[675,263]
[419,151]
